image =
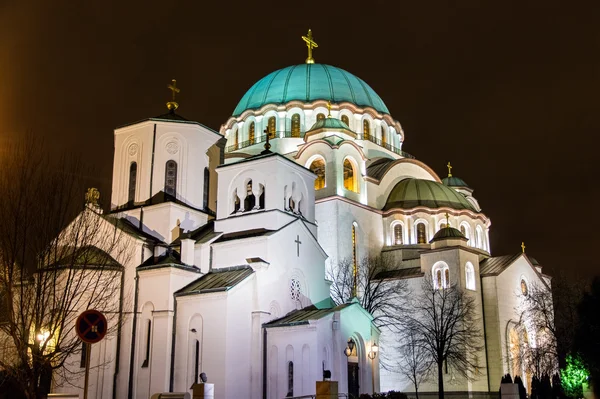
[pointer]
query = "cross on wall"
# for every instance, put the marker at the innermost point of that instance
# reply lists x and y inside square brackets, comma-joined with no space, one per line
[298,242]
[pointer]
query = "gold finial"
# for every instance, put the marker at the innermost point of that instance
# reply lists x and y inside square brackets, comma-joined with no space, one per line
[310,43]
[523,246]
[449,169]
[447,220]
[92,196]
[172,105]
[329,109]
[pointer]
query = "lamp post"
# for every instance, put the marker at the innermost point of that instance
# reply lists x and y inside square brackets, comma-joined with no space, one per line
[349,348]
[372,355]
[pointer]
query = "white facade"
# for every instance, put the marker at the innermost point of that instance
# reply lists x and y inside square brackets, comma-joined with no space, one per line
[231,243]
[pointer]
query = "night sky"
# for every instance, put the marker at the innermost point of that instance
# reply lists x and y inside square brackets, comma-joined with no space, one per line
[506,90]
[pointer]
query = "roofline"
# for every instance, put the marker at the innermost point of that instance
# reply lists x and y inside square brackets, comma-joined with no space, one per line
[155,119]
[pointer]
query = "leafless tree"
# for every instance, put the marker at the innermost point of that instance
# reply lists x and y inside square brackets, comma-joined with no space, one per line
[384,298]
[540,354]
[58,257]
[415,362]
[446,327]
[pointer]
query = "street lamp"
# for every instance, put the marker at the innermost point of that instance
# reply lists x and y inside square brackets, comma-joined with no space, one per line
[349,348]
[372,354]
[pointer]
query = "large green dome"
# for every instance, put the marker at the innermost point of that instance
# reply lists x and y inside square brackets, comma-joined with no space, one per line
[310,82]
[410,193]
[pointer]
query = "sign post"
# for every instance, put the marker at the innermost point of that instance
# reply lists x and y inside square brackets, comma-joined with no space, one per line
[91,327]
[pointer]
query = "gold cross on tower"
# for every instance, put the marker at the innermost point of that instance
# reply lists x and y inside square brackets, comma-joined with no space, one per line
[172,105]
[523,246]
[329,109]
[310,43]
[447,220]
[449,169]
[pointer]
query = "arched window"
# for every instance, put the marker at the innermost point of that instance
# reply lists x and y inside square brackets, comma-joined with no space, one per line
[463,230]
[366,128]
[236,140]
[421,234]
[290,392]
[206,188]
[320,117]
[171,178]
[524,289]
[132,181]
[261,198]
[291,204]
[346,120]
[441,275]
[148,343]
[398,234]
[470,276]
[383,136]
[236,202]
[251,129]
[271,127]
[296,125]
[479,237]
[350,176]
[318,168]
[250,199]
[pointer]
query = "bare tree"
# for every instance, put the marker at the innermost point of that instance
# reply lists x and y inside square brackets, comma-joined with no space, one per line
[446,328]
[57,258]
[540,354]
[415,362]
[383,297]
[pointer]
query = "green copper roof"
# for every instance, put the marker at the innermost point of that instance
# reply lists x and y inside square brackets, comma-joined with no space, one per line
[410,193]
[329,123]
[310,82]
[453,181]
[448,232]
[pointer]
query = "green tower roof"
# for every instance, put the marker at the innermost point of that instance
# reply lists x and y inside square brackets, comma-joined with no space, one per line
[411,193]
[453,181]
[329,123]
[448,232]
[310,82]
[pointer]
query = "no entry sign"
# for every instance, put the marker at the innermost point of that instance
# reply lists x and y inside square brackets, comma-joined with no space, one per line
[91,326]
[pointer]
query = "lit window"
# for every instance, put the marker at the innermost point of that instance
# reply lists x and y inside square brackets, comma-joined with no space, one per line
[271,127]
[463,230]
[398,234]
[346,120]
[470,276]
[236,140]
[366,128]
[171,178]
[296,125]
[524,289]
[132,181]
[441,275]
[383,136]
[318,168]
[350,176]
[251,132]
[421,234]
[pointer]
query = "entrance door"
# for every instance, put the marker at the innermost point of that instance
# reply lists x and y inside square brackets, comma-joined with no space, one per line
[353,380]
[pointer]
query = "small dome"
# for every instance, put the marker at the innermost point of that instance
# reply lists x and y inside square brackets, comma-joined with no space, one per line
[411,193]
[329,123]
[310,82]
[448,233]
[453,181]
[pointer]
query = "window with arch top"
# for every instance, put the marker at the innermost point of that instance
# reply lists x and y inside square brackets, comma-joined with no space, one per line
[320,116]
[171,177]
[383,136]
[441,276]
[350,176]
[366,128]
[470,276]
[398,234]
[296,125]
[346,120]
[421,234]
[132,181]
[271,127]
[236,139]
[318,168]
[251,131]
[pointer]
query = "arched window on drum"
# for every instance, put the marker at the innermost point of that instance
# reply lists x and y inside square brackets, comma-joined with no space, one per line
[397,234]
[421,233]
[318,168]
[296,125]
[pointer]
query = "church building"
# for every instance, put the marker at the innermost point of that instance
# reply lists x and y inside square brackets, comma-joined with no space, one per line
[231,233]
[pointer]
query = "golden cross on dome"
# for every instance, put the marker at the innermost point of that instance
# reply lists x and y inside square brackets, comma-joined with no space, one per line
[329,109]
[523,246]
[447,220]
[311,44]
[172,105]
[449,169]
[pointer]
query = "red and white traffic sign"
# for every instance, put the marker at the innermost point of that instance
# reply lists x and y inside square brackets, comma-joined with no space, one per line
[91,326]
